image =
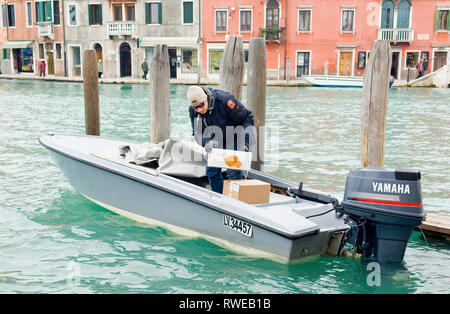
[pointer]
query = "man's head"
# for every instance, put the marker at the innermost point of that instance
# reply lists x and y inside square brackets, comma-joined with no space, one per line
[197,99]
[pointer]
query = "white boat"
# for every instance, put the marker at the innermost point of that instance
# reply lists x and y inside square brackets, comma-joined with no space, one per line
[334,81]
[296,222]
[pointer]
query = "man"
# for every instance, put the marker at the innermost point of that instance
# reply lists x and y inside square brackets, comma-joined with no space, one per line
[99,68]
[144,67]
[212,112]
[420,68]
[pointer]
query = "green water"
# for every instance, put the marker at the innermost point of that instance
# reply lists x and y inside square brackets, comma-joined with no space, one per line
[53,240]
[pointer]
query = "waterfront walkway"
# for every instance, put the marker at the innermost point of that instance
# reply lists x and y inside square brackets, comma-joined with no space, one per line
[130,80]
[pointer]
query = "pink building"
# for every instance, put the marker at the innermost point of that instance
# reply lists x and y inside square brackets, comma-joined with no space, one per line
[32,33]
[303,35]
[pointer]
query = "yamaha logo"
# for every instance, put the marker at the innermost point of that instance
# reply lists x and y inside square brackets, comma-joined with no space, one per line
[391,188]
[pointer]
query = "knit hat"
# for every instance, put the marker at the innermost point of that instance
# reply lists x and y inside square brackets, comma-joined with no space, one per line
[195,95]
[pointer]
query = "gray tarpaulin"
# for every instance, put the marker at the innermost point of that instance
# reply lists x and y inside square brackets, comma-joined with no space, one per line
[175,157]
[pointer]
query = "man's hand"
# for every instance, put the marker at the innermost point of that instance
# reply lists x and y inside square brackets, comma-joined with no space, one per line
[210,145]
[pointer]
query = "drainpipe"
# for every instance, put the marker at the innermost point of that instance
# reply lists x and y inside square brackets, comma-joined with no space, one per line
[285,37]
[200,44]
[62,20]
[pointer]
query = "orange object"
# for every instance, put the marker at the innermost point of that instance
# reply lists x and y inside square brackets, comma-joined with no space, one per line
[233,161]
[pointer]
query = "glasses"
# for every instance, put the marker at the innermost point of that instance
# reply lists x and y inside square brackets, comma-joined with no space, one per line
[199,106]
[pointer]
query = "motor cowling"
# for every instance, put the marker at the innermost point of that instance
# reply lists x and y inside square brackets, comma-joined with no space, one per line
[384,205]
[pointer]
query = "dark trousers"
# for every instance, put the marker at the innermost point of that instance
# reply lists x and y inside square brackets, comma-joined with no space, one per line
[216,179]
[145,75]
[100,74]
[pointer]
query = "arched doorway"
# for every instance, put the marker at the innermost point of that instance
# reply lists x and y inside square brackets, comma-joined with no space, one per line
[99,51]
[125,60]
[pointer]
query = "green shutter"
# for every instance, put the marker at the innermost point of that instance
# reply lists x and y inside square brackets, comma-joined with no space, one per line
[100,14]
[147,13]
[41,11]
[48,17]
[90,13]
[160,13]
[4,15]
[448,20]
[188,12]
[436,25]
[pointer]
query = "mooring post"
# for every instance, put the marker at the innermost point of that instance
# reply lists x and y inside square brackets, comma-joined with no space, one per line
[91,98]
[374,106]
[160,94]
[232,67]
[256,94]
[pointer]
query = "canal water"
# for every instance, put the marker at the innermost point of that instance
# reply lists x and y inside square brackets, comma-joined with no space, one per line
[53,240]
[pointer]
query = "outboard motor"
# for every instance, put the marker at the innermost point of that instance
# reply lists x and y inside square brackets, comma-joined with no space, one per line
[383,206]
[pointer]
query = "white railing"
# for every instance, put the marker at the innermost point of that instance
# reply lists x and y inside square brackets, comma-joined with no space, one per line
[46,29]
[121,28]
[396,34]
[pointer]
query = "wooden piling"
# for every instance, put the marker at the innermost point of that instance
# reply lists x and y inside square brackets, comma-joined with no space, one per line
[256,94]
[374,107]
[91,98]
[160,94]
[232,67]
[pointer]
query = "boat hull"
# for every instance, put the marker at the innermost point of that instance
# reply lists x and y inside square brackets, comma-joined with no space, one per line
[334,81]
[151,199]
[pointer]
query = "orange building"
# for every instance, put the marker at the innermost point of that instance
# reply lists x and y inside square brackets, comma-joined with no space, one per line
[303,35]
[32,33]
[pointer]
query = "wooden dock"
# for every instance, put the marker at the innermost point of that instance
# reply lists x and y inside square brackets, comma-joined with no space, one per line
[436,225]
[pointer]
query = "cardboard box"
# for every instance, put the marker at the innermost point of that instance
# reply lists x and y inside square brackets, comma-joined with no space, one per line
[248,191]
[230,159]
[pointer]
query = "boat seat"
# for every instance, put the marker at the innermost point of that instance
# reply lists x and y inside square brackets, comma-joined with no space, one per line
[277,199]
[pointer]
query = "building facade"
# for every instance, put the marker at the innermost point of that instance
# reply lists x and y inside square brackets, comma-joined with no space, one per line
[303,37]
[306,37]
[32,32]
[124,32]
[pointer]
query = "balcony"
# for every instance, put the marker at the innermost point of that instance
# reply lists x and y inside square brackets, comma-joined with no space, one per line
[126,28]
[45,29]
[396,34]
[276,35]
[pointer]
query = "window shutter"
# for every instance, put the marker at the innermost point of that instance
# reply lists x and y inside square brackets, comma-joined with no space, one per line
[100,14]
[436,24]
[48,7]
[90,13]
[36,9]
[188,12]
[41,11]
[448,20]
[147,13]
[160,13]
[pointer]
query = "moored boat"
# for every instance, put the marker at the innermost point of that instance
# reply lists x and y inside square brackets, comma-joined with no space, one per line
[334,81]
[296,222]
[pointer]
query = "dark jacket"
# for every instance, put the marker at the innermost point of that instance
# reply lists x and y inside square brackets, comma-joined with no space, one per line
[223,110]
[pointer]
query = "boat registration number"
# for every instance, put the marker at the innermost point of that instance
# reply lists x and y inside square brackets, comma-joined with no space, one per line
[238,225]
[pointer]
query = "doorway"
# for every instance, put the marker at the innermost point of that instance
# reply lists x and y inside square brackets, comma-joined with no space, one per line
[173,63]
[440,59]
[99,51]
[50,63]
[395,64]
[125,60]
[345,63]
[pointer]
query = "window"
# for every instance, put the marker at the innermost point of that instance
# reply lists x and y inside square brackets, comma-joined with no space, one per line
[403,11]
[304,20]
[272,14]
[6,54]
[412,59]
[58,50]
[188,12]
[130,12]
[41,51]
[29,14]
[56,14]
[149,54]
[387,14]
[3,16]
[302,63]
[215,56]
[361,59]
[11,16]
[43,11]
[245,18]
[221,21]
[95,14]
[189,64]
[153,13]
[117,12]
[72,15]
[443,20]
[76,64]
[347,20]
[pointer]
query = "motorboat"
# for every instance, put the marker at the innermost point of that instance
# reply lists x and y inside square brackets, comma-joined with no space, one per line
[334,81]
[297,222]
